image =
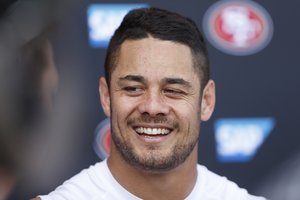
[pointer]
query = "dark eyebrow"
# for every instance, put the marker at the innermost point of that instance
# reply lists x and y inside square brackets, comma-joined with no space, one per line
[179,81]
[141,79]
[136,78]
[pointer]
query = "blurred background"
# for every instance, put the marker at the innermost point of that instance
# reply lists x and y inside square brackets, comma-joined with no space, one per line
[52,54]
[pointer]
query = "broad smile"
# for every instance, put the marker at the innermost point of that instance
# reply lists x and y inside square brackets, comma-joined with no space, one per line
[152,131]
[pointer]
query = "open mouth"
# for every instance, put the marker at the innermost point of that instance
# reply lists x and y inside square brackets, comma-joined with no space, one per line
[152,131]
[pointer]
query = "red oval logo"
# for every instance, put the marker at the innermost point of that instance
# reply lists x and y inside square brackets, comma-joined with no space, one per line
[238,27]
[102,139]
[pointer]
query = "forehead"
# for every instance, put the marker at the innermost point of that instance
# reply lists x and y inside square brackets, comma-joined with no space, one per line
[155,58]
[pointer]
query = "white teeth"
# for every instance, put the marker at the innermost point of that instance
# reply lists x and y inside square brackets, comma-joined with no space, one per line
[152,131]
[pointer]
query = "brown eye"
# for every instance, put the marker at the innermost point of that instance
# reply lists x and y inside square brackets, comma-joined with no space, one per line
[133,90]
[173,92]
[170,91]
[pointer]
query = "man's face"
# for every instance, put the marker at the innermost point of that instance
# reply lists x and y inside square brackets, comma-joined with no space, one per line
[154,104]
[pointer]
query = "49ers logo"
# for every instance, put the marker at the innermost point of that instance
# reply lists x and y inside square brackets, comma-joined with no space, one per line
[102,139]
[238,27]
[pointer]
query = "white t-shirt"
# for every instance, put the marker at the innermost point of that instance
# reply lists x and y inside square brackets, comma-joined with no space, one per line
[97,183]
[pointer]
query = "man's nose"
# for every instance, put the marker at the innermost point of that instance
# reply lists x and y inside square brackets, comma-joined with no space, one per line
[154,104]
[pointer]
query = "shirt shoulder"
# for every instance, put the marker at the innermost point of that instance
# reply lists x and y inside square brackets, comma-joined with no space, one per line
[215,187]
[88,184]
[94,183]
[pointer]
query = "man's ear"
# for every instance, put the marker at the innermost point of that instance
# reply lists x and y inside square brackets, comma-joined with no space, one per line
[208,100]
[104,96]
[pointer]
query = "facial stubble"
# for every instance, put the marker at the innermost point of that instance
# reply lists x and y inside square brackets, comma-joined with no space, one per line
[153,161]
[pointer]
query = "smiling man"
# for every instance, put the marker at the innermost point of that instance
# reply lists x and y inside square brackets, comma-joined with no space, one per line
[156,91]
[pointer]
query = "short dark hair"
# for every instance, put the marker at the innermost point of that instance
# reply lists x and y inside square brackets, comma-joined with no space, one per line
[160,24]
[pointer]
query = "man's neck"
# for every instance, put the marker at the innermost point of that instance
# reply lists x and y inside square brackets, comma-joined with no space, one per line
[174,184]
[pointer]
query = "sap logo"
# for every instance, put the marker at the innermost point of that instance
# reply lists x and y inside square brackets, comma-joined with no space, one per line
[237,140]
[104,19]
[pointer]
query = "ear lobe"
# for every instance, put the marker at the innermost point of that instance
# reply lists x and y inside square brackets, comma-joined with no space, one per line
[208,100]
[104,96]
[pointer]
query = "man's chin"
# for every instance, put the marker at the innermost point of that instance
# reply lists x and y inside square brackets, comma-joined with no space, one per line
[157,163]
